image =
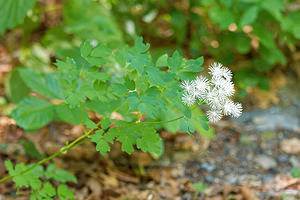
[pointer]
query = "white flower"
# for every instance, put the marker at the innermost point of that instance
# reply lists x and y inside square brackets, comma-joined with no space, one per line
[216,92]
[214,115]
[213,99]
[237,110]
[201,84]
[224,88]
[218,71]
[228,107]
[188,86]
[227,74]
[188,99]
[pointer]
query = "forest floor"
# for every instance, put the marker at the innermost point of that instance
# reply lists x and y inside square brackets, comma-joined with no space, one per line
[249,158]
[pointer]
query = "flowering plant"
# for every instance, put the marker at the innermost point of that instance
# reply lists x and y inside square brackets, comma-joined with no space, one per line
[216,92]
[146,94]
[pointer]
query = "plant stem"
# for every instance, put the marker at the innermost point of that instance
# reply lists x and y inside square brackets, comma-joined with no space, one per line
[80,140]
[137,82]
[64,149]
[81,108]
[163,122]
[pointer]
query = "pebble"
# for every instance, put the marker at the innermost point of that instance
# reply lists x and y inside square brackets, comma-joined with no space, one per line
[283,158]
[208,167]
[295,162]
[231,179]
[265,162]
[209,178]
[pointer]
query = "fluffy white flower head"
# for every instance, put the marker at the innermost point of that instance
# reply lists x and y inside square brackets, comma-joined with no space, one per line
[188,99]
[188,86]
[216,92]
[217,70]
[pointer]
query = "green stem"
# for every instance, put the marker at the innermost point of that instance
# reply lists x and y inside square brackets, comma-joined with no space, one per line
[163,122]
[137,82]
[81,111]
[64,149]
[78,141]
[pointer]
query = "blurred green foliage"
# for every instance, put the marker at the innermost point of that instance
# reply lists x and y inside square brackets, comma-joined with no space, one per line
[262,34]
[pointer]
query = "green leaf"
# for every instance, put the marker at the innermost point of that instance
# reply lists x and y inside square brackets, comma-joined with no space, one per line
[31,150]
[146,109]
[249,16]
[179,24]
[186,126]
[15,88]
[162,61]
[101,51]
[102,146]
[28,179]
[203,122]
[59,175]
[48,190]
[222,17]
[85,49]
[175,61]
[127,141]
[272,55]
[194,64]
[13,12]
[242,43]
[101,76]
[137,61]
[133,100]
[89,123]
[105,123]
[264,35]
[130,84]
[67,114]
[140,47]
[295,173]
[119,89]
[149,141]
[9,167]
[64,193]
[47,85]
[263,83]
[33,113]
[274,7]
[201,128]
[200,187]
[101,143]
[64,176]
[156,77]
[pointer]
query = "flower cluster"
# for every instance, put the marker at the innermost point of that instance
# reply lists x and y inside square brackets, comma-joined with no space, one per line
[216,92]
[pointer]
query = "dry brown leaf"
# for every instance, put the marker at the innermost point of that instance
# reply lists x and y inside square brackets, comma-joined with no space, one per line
[109,180]
[248,194]
[95,187]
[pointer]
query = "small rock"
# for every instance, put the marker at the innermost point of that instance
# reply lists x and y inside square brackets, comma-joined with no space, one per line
[209,178]
[231,179]
[267,177]
[290,146]
[295,162]
[187,196]
[283,158]
[266,162]
[208,167]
